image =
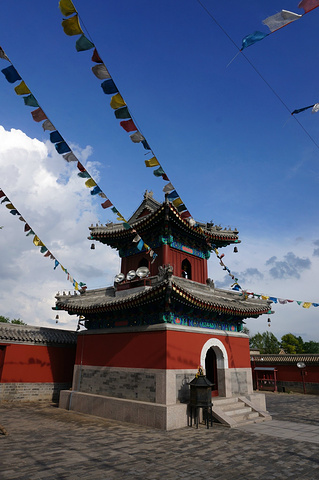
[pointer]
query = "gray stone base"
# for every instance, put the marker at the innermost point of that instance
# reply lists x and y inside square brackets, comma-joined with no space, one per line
[29,392]
[154,415]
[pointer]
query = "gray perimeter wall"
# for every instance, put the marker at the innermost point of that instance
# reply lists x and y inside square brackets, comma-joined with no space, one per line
[28,392]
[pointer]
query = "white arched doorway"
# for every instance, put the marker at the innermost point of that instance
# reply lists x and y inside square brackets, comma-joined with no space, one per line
[214,360]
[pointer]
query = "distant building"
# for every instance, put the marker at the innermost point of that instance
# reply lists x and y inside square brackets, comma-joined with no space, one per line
[35,362]
[281,372]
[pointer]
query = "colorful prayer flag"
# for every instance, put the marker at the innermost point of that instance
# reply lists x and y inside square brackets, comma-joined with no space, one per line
[128,125]
[82,44]
[47,125]
[62,147]
[109,87]
[185,214]
[96,57]
[101,72]
[140,245]
[280,19]
[66,7]
[37,242]
[306,304]
[299,110]
[90,183]
[158,172]
[11,74]
[106,204]
[136,137]
[22,89]
[168,188]
[172,195]
[3,55]
[122,113]
[31,101]
[152,162]
[308,5]
[116,101]
[71,26]
[177,202]
[56,137]
[70,157]
[96,190]
[252,38]
[38,115]
[146,145]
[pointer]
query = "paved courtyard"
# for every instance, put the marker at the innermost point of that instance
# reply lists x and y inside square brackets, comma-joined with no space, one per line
[44,442]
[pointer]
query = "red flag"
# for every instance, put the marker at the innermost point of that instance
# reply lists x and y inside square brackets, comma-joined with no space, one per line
[128,125]
[106,204]
[96,57]
[80,167]
[185,214]
[2,194]
[27,227]
[308,5]
[165,177]
[38,115]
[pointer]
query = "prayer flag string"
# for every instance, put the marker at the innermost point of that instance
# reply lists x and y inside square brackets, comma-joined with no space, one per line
[278,21]
[61,146]
[36,240]
[71,26]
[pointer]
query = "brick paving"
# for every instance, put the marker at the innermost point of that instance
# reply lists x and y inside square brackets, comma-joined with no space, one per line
[44,442]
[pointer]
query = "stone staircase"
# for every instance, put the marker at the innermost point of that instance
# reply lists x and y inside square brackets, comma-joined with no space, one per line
[236,411]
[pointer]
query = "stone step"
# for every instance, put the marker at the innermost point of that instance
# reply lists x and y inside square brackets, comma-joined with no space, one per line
[228,407]
[246,417]
[224,401]
[239,411]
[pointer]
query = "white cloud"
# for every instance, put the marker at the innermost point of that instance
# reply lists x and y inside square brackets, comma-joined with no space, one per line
[54,201]
[254,272]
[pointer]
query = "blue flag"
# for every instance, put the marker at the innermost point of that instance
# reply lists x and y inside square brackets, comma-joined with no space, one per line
[252,38]
[11,74]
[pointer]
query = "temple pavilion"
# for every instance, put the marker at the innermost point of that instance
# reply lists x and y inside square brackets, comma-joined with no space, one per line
[147,334]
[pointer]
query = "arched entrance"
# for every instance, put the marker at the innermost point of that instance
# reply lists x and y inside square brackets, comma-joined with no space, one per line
[211,370]
[214,359]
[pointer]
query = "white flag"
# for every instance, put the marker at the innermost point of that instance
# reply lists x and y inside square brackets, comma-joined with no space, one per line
[280,20]
[101,72]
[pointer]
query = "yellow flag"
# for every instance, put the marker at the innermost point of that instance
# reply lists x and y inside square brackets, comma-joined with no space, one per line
[119,217]
[76,285]
[177,202]
[90,183]
[21,89]
[306,304]
[66,7]
[117,101]
[264,297]
[10,206]
[152,162]
[71,26]
[37,242]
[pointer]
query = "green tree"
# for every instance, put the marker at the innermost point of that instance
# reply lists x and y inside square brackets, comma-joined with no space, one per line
[15,321]
[265,342]
[311,347]
[292,344]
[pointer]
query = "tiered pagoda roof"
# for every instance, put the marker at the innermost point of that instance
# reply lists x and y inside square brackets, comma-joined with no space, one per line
[164,289]
[153,219]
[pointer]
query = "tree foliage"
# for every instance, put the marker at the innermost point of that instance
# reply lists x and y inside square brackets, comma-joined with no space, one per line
[15,321]
[265,342]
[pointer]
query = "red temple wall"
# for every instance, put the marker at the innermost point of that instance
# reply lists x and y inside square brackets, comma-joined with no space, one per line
[168,255]
[37,364]
[291,373]
[156,350]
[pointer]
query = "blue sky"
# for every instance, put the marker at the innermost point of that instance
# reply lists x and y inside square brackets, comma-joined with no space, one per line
[226,141]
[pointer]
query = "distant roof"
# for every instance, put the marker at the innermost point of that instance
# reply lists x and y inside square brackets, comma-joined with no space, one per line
[11,333]
[307,358]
